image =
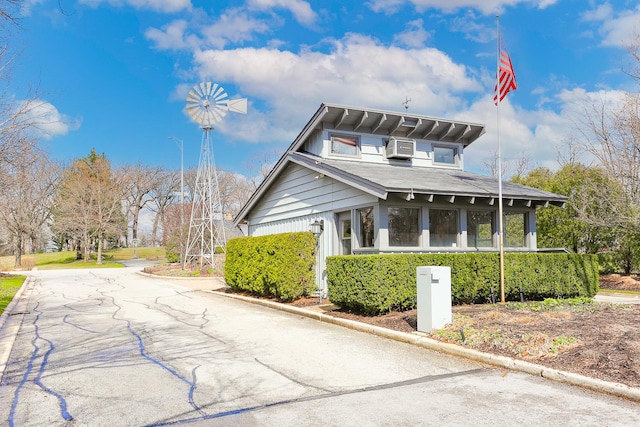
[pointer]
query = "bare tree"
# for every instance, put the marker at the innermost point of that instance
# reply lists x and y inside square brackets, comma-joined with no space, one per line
[569,152]
[18,117]
[139,181]
[17,121]
[8,10]
[190,176]
[166,190]
[521,166]
[26,200]
[612,135]
[633,47]
[235,190]
[259,165]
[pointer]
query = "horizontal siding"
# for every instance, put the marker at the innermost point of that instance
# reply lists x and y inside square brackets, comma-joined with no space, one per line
[297,193]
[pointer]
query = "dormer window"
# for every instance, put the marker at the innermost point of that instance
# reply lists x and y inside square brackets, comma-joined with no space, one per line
[344,145]
[446,155]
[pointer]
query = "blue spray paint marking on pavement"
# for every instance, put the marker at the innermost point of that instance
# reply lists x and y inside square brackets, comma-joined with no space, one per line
[25,377]
[192,384]
[61,400]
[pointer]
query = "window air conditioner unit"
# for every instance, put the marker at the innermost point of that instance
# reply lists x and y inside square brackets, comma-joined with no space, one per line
[401,148]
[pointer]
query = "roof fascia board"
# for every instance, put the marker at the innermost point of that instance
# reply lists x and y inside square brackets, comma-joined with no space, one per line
[281,163]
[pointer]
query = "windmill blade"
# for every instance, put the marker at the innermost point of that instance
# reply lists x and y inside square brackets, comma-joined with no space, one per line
[237,105]
[199,90]
[217,115]
[206,88]
[219,94]
[193,96]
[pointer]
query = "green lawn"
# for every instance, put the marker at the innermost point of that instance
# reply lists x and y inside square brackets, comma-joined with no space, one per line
[8,288]
[150,253]
[59,260]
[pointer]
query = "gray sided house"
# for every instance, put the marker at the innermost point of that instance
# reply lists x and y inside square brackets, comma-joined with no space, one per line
[389,182]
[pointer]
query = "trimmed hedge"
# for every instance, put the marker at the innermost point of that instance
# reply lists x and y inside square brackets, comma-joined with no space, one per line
[375,284]
[279,265]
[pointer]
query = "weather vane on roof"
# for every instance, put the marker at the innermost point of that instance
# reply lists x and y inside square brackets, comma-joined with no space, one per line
[406,102]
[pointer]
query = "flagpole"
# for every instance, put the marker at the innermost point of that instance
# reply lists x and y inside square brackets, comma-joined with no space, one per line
[500,215]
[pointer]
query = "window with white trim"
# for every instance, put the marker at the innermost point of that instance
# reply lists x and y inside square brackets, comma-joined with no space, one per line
[445,155]
[345,145]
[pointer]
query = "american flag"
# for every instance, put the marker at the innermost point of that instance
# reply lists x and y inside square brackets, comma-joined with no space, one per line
[506,78]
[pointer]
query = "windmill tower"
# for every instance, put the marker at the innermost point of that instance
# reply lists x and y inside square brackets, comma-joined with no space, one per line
[207,104]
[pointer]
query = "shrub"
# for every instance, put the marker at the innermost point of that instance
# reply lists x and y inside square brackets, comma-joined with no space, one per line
[173,257]
[375,284]
[279,265]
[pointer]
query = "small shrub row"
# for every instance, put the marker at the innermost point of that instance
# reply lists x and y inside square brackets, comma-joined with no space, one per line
[375,284]
[278,265]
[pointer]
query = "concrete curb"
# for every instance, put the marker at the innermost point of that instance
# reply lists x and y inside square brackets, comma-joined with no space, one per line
[8,337]
[157,276]
[420,339]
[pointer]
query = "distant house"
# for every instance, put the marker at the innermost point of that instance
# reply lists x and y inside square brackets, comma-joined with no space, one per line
[389,182]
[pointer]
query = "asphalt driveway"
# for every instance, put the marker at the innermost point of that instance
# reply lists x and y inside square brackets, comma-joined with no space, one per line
[110,347]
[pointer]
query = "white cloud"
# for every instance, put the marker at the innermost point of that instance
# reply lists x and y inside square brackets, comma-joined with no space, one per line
[164,6]
[618,28]
[600,13]
[357,71]
[621,30]
[301,10]
[171,37]
[541,134]
[485,6]
[414,35]
[48,121]
[233,26]
[388,6]
[286,87]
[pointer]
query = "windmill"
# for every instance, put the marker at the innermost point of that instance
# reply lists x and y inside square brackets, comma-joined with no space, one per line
[207,103]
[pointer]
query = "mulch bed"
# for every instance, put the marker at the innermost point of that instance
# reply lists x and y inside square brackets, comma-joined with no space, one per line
[599,341]
[596,340]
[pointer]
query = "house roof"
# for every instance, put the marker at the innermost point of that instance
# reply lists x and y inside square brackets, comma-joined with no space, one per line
[381,180]
[387,123]
[398,179]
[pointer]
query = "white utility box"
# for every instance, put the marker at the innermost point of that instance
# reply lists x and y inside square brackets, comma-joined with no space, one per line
[434,297]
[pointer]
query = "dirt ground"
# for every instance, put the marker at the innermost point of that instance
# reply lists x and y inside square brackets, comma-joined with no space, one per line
[597,340]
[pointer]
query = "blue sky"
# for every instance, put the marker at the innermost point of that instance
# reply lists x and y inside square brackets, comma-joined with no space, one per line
[114,74]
